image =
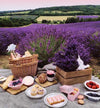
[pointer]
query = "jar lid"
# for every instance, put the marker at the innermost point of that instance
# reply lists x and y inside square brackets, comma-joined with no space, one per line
[50,72]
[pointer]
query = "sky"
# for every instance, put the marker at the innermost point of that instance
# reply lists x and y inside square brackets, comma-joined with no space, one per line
[6,5]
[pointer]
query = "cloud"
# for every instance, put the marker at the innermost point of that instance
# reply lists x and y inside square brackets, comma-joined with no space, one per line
[32,4]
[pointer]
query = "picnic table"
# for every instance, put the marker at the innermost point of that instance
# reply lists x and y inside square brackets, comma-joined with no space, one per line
[22,101]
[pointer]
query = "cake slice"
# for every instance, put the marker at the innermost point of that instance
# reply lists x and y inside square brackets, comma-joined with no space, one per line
[50,100]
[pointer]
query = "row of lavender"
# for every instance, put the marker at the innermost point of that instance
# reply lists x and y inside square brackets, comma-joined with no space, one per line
[46,40]
[87,16]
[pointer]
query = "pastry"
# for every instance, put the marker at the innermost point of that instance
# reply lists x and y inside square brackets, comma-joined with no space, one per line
[55,99]
[36,85]
[80,97]
[5,84]
[34,91]
[61,98]
[50,101]
[42,78]
[27,54]
[81,102]
[40,91]
[37,90]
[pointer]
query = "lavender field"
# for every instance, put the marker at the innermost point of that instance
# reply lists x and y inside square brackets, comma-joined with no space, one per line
[87,16]
[47,40]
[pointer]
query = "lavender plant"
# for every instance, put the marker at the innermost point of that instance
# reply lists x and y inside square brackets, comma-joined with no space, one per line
[67,59]
[45,41]
[94,44]
[49,39]
[9,36]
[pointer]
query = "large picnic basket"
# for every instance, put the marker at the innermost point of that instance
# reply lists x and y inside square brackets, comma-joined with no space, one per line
[24,66]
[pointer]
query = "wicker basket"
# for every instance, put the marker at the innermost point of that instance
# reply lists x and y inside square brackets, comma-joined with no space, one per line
[24,60]
[24,66]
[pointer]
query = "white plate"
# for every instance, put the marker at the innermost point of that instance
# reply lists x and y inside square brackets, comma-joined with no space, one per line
[92,98]
[26,80]
[28,93]
[58,104]
[2,78]
[91,88]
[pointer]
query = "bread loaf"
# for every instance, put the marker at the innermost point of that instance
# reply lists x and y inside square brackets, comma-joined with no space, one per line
[5,84]
[42,78]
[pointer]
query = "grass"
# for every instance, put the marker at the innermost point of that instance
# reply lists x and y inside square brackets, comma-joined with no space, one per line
[95,64]
[74,12]
[23,12]
[52,18]
[4,16]
[53,12]
[4,62]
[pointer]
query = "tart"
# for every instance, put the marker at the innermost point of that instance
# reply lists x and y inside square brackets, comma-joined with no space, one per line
[37,90]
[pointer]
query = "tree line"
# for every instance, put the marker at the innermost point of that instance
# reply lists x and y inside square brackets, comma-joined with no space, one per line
[15,22]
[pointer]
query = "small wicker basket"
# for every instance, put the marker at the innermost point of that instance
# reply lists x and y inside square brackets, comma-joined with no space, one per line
[24,66]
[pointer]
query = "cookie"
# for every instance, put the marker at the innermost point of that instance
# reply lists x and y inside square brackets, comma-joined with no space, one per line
[80,97]
[81,102]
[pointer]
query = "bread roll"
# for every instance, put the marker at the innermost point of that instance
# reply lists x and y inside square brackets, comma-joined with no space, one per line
[42,78]
[27,54]
[12,56]
[5,84]
[81,102]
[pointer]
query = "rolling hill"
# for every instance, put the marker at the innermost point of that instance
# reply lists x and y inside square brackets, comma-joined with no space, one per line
[58,11]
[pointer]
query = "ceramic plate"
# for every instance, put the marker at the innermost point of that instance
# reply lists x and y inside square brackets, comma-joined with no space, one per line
[92,98]
[58,104]
[28,93]
[2,78]
[91,88]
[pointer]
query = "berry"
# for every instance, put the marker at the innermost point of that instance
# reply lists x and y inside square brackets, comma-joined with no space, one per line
[87,83]
[94,83]
[89,86]
[97,86]
[91,83]
[93,87]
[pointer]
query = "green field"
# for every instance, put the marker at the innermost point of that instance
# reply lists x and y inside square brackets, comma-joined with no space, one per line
[23,12]
[20,16]
[4,16]
[61,12]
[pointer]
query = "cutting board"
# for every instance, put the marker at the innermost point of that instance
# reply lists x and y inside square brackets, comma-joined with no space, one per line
[47,83]
[14,92]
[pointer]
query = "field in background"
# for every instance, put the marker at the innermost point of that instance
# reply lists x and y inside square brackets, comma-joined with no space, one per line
[23,12]
[52,18]
[61,12]
[21,16]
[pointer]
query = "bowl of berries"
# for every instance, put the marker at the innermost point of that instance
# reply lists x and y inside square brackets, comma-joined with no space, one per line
[16,84]
[92,85]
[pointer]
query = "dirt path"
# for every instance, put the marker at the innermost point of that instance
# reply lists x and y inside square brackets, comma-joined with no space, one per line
[4,62]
